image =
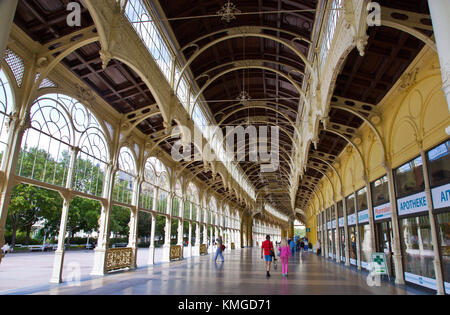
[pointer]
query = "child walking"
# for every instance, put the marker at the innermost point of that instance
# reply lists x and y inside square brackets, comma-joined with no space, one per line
[285,253]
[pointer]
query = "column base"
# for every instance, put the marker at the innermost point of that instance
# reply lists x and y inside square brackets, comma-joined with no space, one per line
[195,251]
[151,255]
[99,262]
[399,276]
[166,253]
[58,263]
[189,251]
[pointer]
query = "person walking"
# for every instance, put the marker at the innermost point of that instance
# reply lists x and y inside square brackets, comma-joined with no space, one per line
[267,250]
[220,248]
[285,253]
[292,247]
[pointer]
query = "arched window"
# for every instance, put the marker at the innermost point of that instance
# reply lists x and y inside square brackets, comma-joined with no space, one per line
[177,199]
[59,123]
[125,177]
[148,186]
[6,105]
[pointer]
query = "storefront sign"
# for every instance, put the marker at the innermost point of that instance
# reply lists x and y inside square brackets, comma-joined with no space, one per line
[334,224]
[328,225]
[412,204]
[341,222]
[379,265]
[382,212]
[422,281]
[351,219]
[363,216]
[441,196]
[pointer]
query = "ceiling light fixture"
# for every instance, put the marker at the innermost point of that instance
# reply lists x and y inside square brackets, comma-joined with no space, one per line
[228,12]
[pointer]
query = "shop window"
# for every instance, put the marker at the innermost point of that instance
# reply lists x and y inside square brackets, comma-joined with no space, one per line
[365,239]
[443,226]
[340,209]
[417,251]
[380,191]
[409,178]
[350,202]
[439,164]
[362,199]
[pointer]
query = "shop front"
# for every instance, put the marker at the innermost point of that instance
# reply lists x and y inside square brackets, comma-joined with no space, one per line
[414,223]
[341,231]
[352,229]
[382,219]
[364,227]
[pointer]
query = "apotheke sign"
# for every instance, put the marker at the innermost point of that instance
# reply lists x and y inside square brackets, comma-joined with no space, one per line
[441,196]
[412,204]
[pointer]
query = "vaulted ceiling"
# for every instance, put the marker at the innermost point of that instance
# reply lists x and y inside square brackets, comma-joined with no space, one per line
[364,80]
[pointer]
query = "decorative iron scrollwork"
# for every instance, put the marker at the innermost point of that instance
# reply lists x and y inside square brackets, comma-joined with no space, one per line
[176,252]
[203,250]
[118,258]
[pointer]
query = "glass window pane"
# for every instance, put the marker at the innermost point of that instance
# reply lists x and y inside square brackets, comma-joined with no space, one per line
[409,178]
[417,247]
[380,191]
[439,164]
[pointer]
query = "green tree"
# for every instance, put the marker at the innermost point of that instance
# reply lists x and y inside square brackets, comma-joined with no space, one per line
[28,205]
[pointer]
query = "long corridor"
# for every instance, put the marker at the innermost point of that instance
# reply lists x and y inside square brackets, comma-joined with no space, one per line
[242,273]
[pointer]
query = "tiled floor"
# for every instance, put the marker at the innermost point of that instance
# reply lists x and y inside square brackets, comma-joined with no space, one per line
[242,273]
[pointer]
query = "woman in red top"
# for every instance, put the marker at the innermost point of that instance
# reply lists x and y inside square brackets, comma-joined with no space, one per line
[266,247]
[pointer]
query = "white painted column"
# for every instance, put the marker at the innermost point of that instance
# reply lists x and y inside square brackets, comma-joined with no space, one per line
[151,251]
[347,243]
[336,236]
[166,246]
[7,12]
[189,252]
[103,233]
[371,219]
[358,238]
[434,232]
[58,261]
[397,257]
[17,128]
[440,12]
[133,225]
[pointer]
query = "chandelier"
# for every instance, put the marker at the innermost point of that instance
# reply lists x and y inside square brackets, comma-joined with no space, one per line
[228,12]
[244,98]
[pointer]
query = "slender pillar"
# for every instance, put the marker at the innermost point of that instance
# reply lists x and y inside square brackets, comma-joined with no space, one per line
[134,217]
[336,237]
[151,252]
[166,246]
[434,233]
[17,128]
[347,242]
[358,237]
[180,233]
[58,261]
[440,11]
[397,255]
[189,251]
[132,238]
[7,12]
[371,219]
